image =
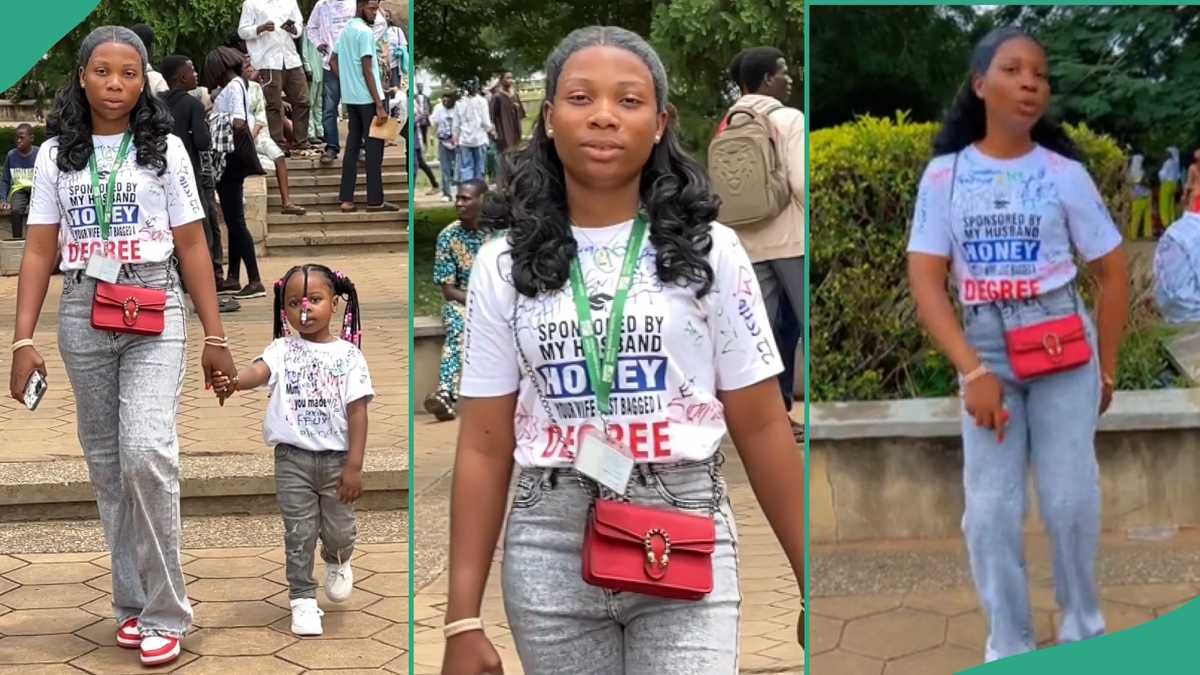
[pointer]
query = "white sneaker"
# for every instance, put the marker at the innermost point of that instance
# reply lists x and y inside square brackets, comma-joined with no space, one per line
[306,617]
[339,581]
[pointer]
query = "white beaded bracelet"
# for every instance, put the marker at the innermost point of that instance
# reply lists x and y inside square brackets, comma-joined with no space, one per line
[462,626]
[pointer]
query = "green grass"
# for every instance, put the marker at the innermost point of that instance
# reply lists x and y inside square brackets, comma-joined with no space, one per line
[427,223]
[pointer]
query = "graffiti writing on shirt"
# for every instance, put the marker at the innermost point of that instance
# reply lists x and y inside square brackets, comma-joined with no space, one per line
[1001,252]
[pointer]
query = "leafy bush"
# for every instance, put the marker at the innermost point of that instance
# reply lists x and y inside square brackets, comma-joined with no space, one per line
[866,342]
[427,223]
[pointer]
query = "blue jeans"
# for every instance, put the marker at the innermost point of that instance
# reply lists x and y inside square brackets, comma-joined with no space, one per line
[333,98]
[561,624]
[127,391]
[1052,426]
[447,158]
[471,162]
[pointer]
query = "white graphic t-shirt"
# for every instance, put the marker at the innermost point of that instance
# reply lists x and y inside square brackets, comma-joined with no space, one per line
[1013,224]
[311,385]
[676,352]
[146,206]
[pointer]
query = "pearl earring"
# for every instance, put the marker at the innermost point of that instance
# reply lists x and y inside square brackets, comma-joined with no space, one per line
[549,132]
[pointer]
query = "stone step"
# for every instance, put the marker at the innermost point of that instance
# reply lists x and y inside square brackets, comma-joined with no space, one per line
[357,225]
[392,180]
[337,241]
[328,199]
[311,166]
[334,217]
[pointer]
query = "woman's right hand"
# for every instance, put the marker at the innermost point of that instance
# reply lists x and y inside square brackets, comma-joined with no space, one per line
[24,361]
[984,400]
[471,653]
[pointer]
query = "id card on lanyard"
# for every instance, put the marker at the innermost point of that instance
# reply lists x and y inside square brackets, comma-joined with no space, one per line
[100,266]
[597,455]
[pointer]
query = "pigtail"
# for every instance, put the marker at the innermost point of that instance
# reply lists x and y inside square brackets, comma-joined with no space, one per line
[281,324]
[351,320]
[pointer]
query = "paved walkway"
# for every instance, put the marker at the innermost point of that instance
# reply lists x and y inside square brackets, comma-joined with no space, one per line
[55,616]
[907,607]
[770,598]
[205,429]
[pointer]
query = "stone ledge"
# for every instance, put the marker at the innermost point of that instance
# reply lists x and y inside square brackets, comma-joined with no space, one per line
[428,327]
[1150,410]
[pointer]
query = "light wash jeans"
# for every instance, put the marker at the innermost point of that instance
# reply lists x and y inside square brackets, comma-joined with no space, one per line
[448,158]
[306,489]
[1052,426]
[561,624]
[126,398]
[471,163]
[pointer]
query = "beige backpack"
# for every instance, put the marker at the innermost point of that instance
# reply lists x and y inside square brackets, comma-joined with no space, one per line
[747,168]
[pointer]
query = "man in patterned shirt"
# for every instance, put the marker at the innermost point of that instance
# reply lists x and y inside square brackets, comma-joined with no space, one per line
[457,246]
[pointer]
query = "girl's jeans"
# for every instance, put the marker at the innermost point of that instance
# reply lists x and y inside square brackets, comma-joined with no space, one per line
[126,398]
[563,625]
[1052,426]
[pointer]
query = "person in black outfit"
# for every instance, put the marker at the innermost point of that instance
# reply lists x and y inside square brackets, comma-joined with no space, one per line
[192,128]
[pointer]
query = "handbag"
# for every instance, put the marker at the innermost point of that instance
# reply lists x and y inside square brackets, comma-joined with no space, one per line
[128,309]
[245,154]
[653,551]
[1048,347]
[641,549]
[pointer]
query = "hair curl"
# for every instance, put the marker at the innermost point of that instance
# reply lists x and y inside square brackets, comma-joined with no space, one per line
[70,118]
[966,120]
[532,205]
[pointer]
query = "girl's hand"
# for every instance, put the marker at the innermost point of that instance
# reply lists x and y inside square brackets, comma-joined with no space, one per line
[24,361]
[984,400]
[215,360]
[223,384]
[471,653]
[349,485]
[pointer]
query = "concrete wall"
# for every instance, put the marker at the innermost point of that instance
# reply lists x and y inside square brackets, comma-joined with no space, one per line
[256,212]
[894,470]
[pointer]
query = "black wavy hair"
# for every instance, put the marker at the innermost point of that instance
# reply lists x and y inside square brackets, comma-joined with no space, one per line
[756,65]
[532,205]
[342,287]
[70,118]
[966,120]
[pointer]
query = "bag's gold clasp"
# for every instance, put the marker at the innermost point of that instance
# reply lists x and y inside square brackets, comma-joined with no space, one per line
[1053,345]
[131,308]
[656,567]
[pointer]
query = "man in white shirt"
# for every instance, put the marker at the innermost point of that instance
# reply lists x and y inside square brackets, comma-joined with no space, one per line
[325,26]
[473,132]
[270,28]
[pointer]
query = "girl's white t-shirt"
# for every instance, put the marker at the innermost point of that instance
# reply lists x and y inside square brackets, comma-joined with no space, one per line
[146,206]
[1013,224]
[310,387]
[677,351]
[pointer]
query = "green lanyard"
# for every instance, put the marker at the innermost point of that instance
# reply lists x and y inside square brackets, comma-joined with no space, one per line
[602,377]
[104,203]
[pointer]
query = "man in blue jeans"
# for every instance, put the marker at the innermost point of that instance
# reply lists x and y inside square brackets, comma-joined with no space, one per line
[473,132]
[325,26]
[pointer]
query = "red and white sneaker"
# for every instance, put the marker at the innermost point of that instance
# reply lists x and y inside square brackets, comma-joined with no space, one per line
[159,651]
[129,635]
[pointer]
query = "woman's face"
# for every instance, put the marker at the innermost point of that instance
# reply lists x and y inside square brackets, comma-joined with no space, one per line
[604,116]
[1016,87]
[113,80]
[249,72]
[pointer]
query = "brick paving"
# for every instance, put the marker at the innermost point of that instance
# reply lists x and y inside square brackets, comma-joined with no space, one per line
[55,616]
[48,434]
[770,598]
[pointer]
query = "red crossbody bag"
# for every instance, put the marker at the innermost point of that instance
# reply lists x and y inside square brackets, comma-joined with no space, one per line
[128,309]
[1044,348]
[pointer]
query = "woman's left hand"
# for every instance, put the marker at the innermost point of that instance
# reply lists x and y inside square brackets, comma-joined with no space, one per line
[216,359]
[1106,393]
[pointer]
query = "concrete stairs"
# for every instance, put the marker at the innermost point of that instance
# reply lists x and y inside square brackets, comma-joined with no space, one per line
[325,229]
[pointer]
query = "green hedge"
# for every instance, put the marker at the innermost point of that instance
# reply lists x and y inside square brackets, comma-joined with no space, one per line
[866,342]
[8,139]
[427,224]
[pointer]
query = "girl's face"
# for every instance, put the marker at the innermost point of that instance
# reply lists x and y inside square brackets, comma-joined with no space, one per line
[113,80]
[604,116]
[1016,87]
[321,303]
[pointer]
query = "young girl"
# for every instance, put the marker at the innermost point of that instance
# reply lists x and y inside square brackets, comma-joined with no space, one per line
[317,423]
[1006,204]
[113,192]
[604,195]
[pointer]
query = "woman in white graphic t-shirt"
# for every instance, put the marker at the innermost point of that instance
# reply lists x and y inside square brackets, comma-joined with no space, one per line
[694,360]
[114,195]
[1006,206]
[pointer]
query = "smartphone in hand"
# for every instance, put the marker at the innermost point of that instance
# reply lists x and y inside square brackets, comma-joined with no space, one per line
[35,390]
